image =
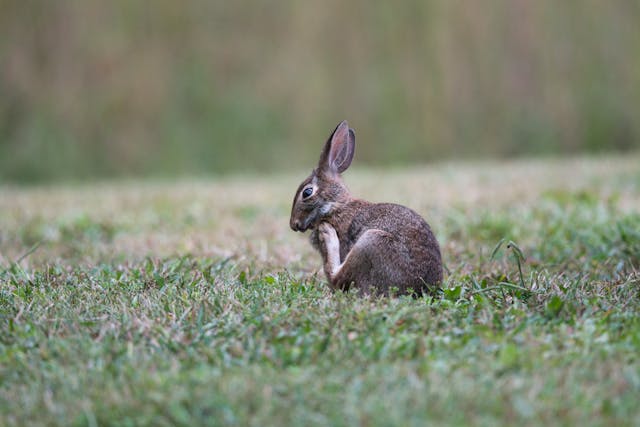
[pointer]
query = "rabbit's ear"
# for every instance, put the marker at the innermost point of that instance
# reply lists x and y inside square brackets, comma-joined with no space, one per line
[339,149]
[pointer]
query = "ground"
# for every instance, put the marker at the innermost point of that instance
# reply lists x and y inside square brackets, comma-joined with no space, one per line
[192,302]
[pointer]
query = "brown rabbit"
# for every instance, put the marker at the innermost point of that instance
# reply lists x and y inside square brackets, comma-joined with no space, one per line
[375,247]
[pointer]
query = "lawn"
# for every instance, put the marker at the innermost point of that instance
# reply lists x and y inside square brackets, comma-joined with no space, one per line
[191,302]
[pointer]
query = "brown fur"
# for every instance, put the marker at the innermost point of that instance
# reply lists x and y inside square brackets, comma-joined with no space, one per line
[375,246]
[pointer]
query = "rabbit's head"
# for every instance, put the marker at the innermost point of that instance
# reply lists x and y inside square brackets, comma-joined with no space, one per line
[323,191]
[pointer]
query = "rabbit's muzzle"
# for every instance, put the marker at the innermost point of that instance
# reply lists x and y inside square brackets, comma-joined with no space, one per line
[302,220]
[295,225]
[298,225]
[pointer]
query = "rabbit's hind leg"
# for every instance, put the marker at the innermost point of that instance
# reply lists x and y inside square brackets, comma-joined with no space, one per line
[363,263]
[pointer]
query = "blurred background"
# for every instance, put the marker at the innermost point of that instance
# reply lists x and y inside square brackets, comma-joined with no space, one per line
[121,88]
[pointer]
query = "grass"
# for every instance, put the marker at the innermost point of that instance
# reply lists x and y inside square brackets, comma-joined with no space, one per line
[109,89]
[138,303]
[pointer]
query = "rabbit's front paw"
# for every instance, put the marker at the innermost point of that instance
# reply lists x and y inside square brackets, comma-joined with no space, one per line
[329,247]
[326,233]
[328,237]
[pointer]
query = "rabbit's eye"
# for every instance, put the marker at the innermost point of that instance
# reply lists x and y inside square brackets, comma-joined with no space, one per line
[307,192]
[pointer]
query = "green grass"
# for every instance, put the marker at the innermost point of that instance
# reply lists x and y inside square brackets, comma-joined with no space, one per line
[104,89]
[190,303]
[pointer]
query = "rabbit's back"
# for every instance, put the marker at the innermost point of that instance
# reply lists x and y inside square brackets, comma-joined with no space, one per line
[416,252]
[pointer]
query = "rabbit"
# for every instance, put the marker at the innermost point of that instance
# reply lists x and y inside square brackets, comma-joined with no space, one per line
[377,248]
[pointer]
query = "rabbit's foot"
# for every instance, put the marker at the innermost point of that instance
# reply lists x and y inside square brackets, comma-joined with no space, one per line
[328,237]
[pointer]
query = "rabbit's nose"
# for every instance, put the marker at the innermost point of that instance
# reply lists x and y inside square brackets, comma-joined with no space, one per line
[295,225]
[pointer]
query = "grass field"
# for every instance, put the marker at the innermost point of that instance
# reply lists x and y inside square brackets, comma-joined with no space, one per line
[192,302]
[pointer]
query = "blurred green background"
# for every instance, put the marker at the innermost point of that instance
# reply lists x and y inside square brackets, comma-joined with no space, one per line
[95,89]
